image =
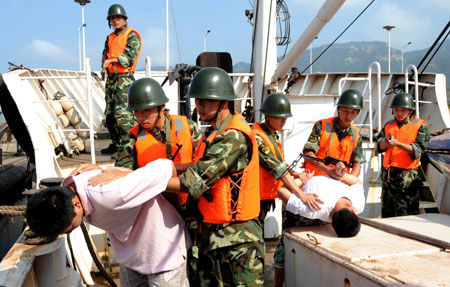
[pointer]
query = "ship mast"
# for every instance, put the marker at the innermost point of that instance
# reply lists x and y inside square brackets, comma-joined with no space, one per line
[264,50]
[325,14]
[266,72]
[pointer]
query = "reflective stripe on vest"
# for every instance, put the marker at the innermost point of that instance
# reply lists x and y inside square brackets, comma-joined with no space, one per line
[116,47]
[407,134]
[149,149]
[268,185]
[221,209]
[331,146]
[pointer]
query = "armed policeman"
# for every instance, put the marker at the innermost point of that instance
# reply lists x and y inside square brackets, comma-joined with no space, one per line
[120,57]
[158,133]
[224,180]
[333,139]
[338,138]
[274,171]
[403,141]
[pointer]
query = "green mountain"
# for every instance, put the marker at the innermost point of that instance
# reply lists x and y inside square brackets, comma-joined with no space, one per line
[357,56]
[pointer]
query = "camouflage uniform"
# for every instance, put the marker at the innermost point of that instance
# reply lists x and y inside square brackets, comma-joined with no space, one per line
[118,120]
[401,187]
[313,142]
[128,158]
[127,153]
[270,162]
[277,168]
[230,254]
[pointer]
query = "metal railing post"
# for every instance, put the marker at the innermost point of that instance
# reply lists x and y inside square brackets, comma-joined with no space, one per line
[379,94]
[416,86]
[369,80]
[90,108]
[148,66]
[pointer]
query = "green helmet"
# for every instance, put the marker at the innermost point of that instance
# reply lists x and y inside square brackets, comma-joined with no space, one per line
[212,84]
[116,10]
[352,99]
[403,100]
[277,105]
[145,93]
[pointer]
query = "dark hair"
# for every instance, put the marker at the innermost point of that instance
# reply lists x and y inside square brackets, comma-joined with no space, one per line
[50,211]
[345,223]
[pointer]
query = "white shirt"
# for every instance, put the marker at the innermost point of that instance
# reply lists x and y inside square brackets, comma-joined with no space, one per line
[147,233]
[329,191]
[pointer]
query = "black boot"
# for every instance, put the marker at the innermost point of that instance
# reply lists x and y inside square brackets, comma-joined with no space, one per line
[110,149]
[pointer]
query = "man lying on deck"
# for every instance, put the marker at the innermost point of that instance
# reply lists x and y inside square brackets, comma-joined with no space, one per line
[343,200]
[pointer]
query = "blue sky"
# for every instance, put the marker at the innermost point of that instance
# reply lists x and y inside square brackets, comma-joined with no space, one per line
[44,34]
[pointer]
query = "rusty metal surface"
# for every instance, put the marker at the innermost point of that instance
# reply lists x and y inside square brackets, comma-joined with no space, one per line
[18,261]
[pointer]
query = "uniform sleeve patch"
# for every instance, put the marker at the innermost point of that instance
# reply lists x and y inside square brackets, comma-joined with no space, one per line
[264,149]
[312,138]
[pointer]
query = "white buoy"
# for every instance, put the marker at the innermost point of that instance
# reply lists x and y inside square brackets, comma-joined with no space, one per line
[57,108]
[79,144]
[83,134]
[73,116]
[66,103]
[64,120]
[72,135]
[87,145]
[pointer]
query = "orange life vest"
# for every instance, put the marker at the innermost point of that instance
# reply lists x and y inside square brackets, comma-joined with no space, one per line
[116,47]
[330,145]
[406,134]
[222,209]
[149,149]
[268,185]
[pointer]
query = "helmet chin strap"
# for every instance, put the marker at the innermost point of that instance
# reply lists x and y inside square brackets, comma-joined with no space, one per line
[216,116]
[269,126]
[157,118]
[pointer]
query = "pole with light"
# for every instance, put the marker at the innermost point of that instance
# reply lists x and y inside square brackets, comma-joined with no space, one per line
[204,40]
[403,50]
[79,46]
[167,36]
[83,27]
[310,56]
[389,28]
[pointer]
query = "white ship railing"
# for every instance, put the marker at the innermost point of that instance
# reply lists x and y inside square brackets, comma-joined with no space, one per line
[88,98]
[416,86]
[342,82]
[148,66]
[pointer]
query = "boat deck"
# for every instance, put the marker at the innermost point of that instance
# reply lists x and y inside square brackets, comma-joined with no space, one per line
[69,163]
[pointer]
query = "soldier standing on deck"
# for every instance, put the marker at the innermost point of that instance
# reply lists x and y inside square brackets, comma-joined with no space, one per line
[403,141]
[273,171]
[159,134]
[224,180]
[337,137]
[120,57]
